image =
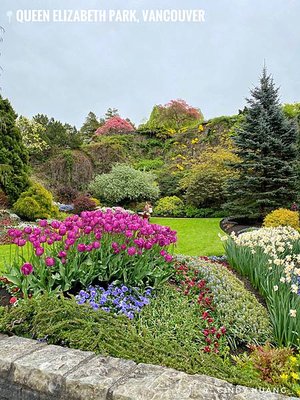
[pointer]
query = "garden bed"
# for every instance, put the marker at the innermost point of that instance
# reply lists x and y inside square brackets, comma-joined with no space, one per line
[106,282]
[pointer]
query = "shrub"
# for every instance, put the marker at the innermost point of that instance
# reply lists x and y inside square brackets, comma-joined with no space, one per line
[4,201]
[170,206]
[36,202]
[282,217]
[84,203]
[271,362]
[66,193]
[148,165]
[194,212]
[106,151]
[246,320]
[99,246]
[124,184]
[169,182]
[70,168]
[205,182]
[96,201]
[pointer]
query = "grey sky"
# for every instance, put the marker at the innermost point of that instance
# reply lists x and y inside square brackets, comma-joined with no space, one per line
[66,70]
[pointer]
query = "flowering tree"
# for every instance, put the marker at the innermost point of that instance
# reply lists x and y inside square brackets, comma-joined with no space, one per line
[172,117]
[32,133]
[115,124]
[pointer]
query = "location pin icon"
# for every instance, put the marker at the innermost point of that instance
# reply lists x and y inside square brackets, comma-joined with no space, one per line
[9,15]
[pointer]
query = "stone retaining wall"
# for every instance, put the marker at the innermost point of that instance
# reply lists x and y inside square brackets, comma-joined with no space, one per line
[30,370]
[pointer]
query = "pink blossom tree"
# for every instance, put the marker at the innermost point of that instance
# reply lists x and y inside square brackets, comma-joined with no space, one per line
[115,124]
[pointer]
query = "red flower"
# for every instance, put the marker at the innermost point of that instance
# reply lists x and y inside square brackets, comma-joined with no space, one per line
[206,349]
[13,300]
[223,330]
[205,315]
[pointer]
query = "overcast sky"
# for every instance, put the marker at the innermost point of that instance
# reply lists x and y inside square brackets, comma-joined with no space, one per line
[65,70]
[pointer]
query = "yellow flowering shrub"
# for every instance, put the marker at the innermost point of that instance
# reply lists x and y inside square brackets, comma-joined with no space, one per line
[282,217]
[291,376]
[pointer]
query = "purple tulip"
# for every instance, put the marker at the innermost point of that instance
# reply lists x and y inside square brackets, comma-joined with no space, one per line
[131,251]
[55,224]
[21,242]
[39,251]
[81,247]
[168,257]
[50,261]
[37,231]
[43,239]
[26,269]
[28,230]
[43,223]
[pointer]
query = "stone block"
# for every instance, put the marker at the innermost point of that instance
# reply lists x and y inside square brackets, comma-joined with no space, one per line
[152,382]
[13,348]
[93,379]
[43,371]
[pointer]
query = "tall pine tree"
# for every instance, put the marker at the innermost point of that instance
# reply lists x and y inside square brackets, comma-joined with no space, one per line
[266,145]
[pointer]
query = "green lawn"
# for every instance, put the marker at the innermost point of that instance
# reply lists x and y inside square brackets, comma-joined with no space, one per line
[4,254]
[196,236]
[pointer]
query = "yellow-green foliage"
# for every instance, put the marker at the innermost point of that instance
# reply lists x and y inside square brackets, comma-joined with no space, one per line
[36,202]
[282,217]
[169,206]
[96,201]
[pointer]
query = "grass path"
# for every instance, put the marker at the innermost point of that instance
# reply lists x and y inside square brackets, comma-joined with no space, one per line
[196,236]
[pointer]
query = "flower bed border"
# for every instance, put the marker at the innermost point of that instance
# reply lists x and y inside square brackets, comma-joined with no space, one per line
[33,370]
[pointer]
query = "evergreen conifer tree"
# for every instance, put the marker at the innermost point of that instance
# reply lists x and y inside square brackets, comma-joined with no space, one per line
[13,154]
[266,145]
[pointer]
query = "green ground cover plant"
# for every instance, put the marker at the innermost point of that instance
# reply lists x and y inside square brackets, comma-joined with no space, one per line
[62,321]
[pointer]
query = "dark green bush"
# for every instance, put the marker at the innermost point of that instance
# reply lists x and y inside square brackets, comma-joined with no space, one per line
[194,212]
